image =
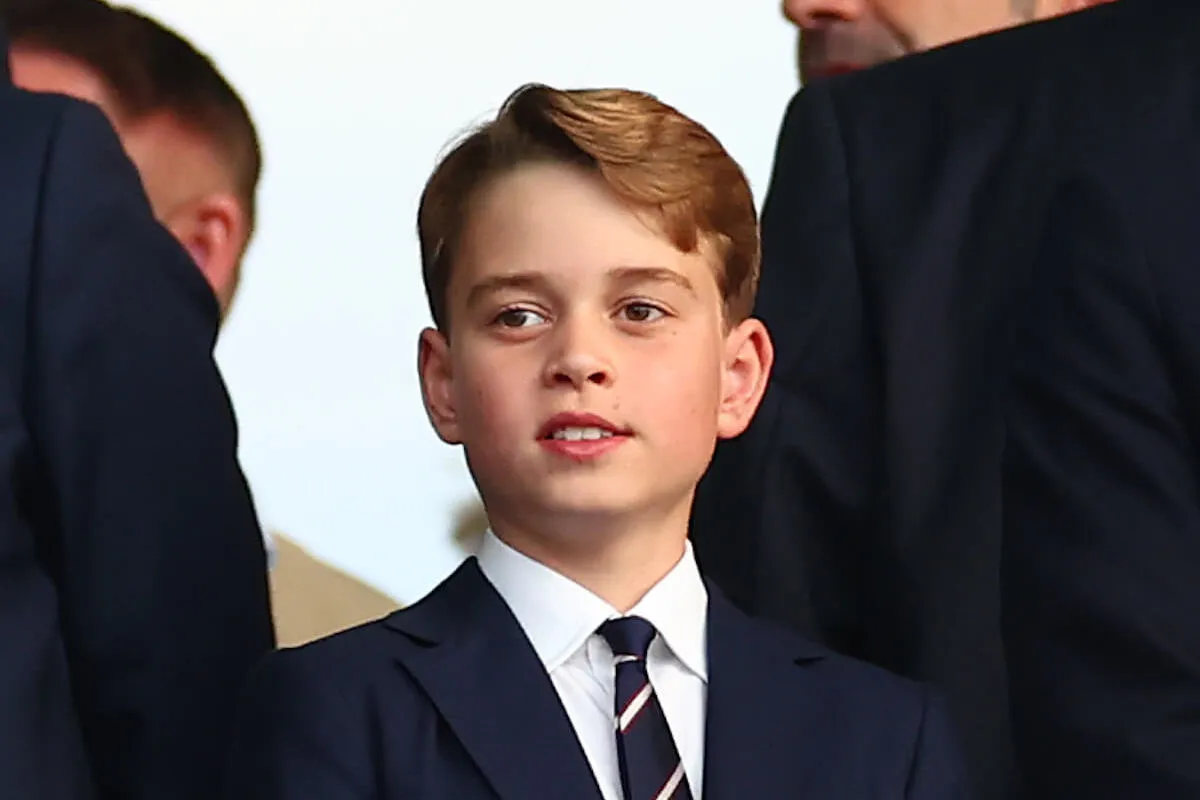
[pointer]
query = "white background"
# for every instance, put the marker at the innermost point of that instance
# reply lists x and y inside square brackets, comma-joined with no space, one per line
[354,101]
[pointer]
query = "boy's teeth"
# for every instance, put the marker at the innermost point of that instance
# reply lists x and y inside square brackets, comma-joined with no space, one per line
[581,434]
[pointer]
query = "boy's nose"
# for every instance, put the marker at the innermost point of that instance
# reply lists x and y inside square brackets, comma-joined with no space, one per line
[578,370]
[578,363]
[812,14]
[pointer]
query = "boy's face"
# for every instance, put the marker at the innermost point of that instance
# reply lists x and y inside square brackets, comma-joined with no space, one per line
[588,371]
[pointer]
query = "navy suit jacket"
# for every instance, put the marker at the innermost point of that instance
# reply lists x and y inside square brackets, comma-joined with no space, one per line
[447,699]
[1101,558]
[133,592]
[864,507]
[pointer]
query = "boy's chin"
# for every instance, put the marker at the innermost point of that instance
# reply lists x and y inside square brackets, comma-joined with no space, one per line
[603,511]
[582,509]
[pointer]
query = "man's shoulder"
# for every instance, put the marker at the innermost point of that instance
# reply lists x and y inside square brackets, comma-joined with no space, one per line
[36,116]
[28,126]
[19,105]
[1023,62]
[52,143]
[32,138]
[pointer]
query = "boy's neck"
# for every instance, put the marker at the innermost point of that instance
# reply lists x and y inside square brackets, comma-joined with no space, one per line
[618,566]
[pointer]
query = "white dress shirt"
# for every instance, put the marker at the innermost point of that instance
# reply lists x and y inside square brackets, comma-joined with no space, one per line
[560,618]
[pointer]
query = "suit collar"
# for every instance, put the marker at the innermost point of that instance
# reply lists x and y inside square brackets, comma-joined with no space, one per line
[473,660]
[765,713]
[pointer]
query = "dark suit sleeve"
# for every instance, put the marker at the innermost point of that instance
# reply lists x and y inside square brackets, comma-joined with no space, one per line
[295,738]
[1102,543]
[148,523]
[937,767]
[779,516]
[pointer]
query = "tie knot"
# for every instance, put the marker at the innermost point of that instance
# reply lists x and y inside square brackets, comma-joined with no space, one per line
[629,636]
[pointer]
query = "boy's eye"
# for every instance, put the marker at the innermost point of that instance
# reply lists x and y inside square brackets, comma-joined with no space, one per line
[519,318]
[642,312]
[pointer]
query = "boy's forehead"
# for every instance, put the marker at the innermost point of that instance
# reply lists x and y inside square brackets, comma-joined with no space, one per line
[563,222]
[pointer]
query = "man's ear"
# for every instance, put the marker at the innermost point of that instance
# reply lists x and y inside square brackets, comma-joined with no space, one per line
[214,230]
[749,355]
[437,384]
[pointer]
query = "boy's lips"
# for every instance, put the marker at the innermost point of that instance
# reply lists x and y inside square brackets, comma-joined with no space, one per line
[581,437]
[576,420]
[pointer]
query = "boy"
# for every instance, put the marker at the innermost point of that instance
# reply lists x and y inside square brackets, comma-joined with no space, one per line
[590,259]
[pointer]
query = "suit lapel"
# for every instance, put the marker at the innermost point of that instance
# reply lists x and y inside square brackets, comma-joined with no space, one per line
[482,674]
[758,718]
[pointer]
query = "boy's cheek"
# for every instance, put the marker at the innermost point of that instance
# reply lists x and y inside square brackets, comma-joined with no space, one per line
[496,411]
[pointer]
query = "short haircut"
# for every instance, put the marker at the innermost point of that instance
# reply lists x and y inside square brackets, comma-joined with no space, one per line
[149,69]
[650,155]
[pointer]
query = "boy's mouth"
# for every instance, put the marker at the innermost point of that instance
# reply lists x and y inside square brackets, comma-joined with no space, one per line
[581,434]
[579,427]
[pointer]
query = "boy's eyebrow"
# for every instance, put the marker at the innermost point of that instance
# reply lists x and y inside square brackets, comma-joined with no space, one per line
[519,280]
[651,275]
[536,281]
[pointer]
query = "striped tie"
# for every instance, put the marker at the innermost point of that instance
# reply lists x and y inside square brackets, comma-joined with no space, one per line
[650,765]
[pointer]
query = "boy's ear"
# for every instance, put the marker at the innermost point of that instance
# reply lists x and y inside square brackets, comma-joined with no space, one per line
[749,355]
[437,384]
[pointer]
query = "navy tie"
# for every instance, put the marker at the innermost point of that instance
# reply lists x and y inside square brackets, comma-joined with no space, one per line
[650,765]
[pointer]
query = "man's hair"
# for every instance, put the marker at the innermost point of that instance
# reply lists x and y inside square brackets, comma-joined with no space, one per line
[149,69]
[650,155]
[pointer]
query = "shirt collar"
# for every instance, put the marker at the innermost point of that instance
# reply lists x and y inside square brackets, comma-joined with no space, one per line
[558,615]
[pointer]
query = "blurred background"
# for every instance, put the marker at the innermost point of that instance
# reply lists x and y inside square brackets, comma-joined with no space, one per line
[354,102]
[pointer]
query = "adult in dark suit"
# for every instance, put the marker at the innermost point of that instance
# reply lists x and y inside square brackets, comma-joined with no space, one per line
[197,151]
[133,593]
[448,698]
[901,223]
[1102,466]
